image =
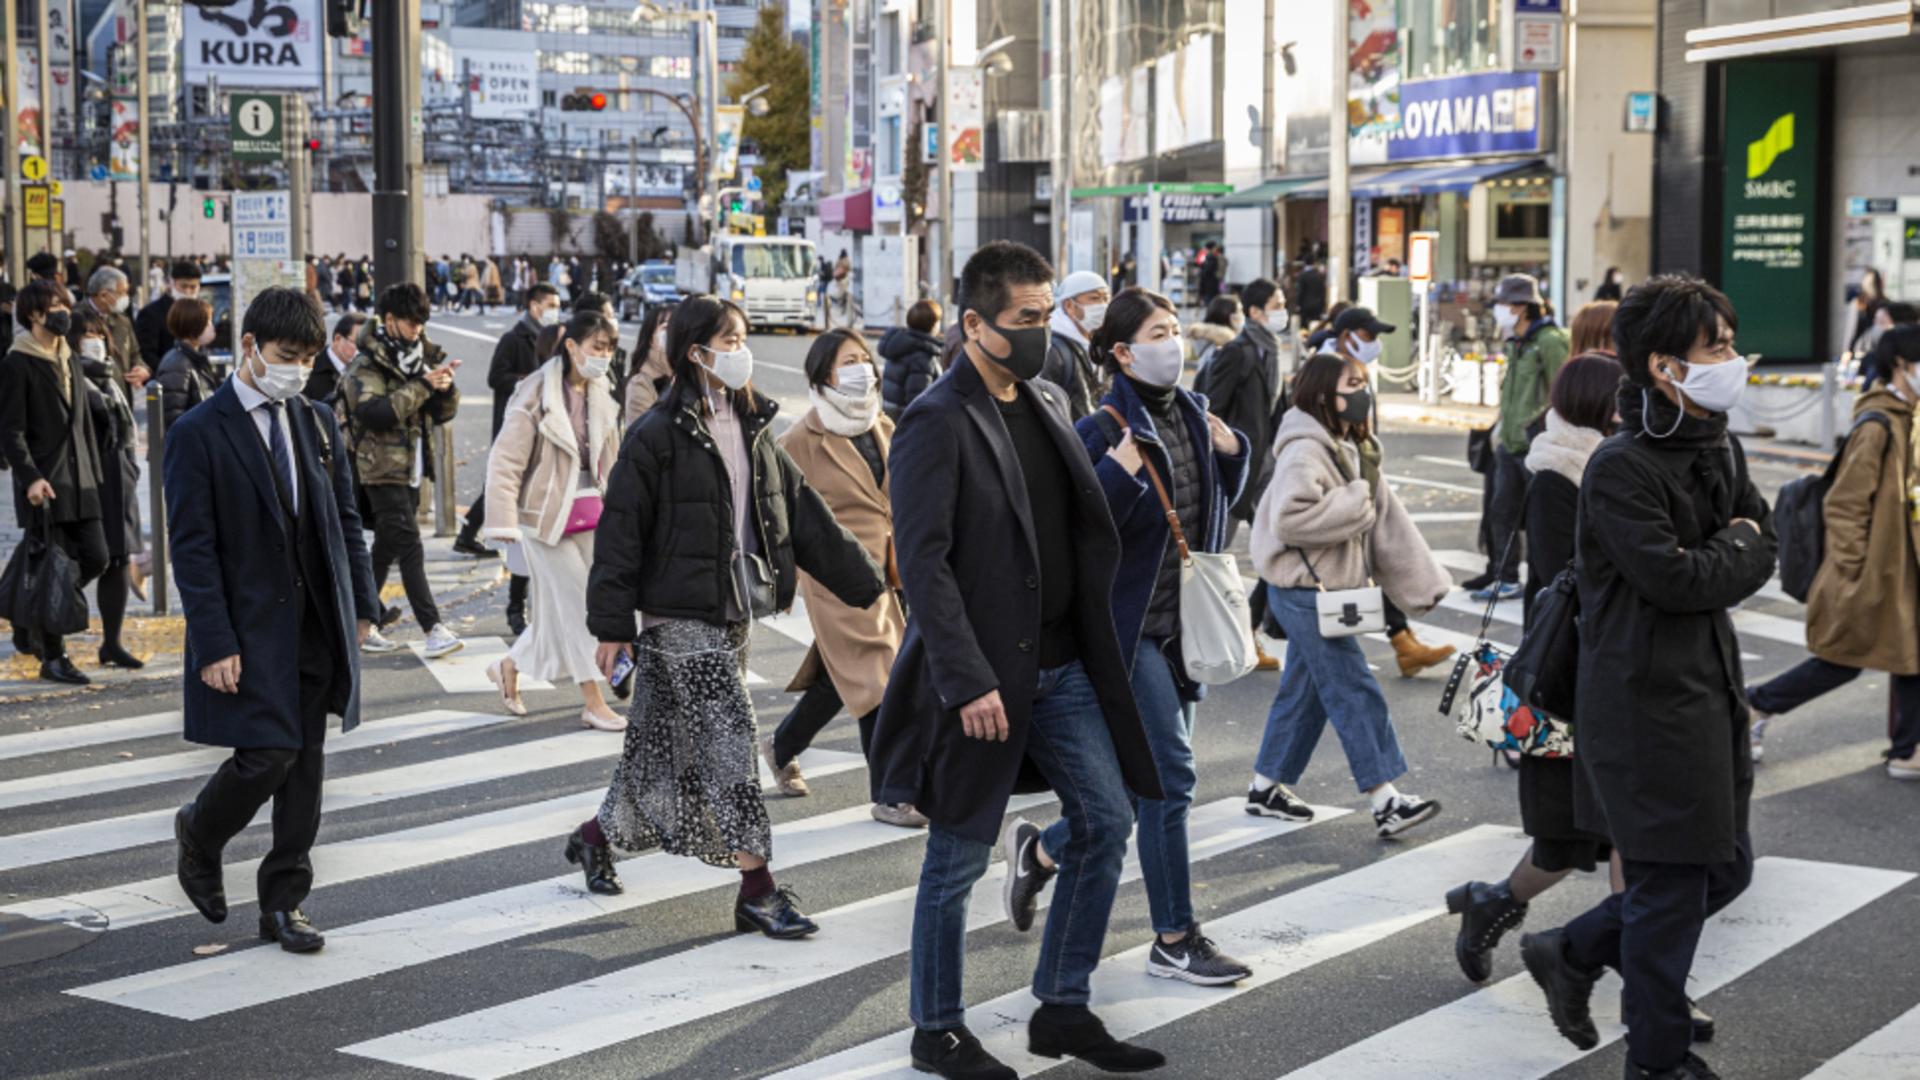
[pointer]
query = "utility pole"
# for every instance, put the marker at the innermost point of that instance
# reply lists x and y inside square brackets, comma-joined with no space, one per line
[1061,122]
[396,65]
[16,232]
[293,110]
[46,118]
[142,102]
[633,197]
[1339,184]
[943,270]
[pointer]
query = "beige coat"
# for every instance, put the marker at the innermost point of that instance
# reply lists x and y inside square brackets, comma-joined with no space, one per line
[1864,608]
[640,392]
[534,469]
[856,645]
[1312,509]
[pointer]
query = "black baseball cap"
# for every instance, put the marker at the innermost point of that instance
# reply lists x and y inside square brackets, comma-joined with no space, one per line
[1360,318]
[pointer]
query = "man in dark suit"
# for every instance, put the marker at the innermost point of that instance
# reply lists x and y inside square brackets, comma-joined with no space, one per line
[150,326]
[325,380]
[278,593]
[1011,675]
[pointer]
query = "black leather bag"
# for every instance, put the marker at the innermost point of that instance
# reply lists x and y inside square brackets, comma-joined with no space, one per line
[1543,672]
[753,586]
[40,589]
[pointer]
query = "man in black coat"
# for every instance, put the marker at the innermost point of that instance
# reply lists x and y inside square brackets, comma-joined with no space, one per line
[1311,303]
[1010,676]
[324,384]
[150,326]
[1083,298]
[1243,387]
[278,593]
[1671,534]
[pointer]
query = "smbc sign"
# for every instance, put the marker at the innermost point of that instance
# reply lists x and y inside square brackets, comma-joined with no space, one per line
[1770,200]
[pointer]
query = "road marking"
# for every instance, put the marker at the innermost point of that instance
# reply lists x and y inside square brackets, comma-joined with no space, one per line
[141,772]
[1890,1052]
[239,980]
[1278,938]
[74,736]
[1451,463]
[156,899]
[365,789]
[1441,484]
[1504,1031]
[1443,517]
[702,982]
[465,672]
[444,327]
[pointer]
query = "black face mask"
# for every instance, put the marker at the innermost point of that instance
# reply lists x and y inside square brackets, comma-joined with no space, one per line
[59,322]
[1359,406]
[1028,352]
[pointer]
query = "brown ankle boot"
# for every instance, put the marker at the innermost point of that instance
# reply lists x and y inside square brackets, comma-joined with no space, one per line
[1266,662]
[1415,657]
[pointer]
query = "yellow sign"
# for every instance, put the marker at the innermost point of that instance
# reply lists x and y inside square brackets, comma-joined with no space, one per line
[33,168]
[747,224]
[36,203]
[59,216]
[55,188]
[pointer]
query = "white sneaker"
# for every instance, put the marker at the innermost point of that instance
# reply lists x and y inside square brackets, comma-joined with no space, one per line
[377,643]
[443,642]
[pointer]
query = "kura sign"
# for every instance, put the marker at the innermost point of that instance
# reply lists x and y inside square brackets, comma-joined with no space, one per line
[255,43]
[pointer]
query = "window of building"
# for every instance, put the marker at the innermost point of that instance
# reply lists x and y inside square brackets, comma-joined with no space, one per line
[889,146]
[889,57]
[1449,37]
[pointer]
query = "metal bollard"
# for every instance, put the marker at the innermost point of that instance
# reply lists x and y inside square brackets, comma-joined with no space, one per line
[158,570]
[1829,397]
[444,510]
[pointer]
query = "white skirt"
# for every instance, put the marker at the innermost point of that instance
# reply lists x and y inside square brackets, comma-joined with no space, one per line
[556,645]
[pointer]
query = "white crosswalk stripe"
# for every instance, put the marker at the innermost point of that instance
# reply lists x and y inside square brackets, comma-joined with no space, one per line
[100,733]
[465,672]
[677,989]
[1893,1051]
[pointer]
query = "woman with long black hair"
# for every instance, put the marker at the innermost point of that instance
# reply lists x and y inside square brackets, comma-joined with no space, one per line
[705,524]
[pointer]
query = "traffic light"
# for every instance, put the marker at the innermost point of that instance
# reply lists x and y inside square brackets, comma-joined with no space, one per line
[313,144]
[583,100]
[206,208]
[345,18]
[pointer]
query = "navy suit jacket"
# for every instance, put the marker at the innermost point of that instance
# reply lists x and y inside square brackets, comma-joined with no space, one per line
[231,541]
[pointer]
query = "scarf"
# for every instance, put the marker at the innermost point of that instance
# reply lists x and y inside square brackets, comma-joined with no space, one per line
[1263,336]
[24,341]
[1563,448]
[410,359]
[843,414]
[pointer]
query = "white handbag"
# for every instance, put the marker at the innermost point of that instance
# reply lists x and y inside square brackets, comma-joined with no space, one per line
[1347,612]
[1216,624]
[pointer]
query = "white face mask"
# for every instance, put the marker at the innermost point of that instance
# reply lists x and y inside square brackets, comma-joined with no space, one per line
[1157,363]
[1715,387]
[93,348]
[1091,316]
[279,382]
[855,381]
[1366,351]
[1238,322]
[550,316]
[121,304]
[733,369]
[595,367]
[1506,319]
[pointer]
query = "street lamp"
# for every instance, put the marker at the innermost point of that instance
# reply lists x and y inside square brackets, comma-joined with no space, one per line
[756,100]
[705,35]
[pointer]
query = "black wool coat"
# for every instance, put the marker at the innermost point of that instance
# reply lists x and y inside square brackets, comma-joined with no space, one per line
[1242,389]
[1661,735]
[49,435]
[515,356]
[963,532]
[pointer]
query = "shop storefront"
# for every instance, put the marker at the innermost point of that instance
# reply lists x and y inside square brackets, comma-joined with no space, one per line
[1159,224]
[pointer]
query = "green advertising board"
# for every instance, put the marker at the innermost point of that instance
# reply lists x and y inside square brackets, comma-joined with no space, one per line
[1770,205]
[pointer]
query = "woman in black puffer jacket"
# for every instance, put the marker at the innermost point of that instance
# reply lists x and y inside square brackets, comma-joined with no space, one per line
[699,497]
[912,353]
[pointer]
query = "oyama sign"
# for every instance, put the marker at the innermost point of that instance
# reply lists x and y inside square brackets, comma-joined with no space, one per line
[256,43]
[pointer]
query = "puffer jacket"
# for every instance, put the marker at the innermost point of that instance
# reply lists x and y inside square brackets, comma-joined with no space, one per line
[1317,508]
[913,363]
[186,379]
[388,411]
[665,541]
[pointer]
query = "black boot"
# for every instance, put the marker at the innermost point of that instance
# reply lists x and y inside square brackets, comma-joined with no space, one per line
[597,861]
[1569,989]
[1073,1031]
[774,914]
[198,870]
[517,605]
[1487,912]
[61,670]
[1691,1068]
[956,1055]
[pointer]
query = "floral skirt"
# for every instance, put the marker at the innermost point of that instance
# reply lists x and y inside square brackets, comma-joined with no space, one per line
[688,777]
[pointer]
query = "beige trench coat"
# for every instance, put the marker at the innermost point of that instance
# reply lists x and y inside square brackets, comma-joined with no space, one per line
[855,645]
[1864,608]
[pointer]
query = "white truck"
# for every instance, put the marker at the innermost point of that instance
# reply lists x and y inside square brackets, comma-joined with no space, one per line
[770,277]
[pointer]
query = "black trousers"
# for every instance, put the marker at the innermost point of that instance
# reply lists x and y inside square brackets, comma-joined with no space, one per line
[86,543]
[1648,933]
[291,778]
[1506,507]
[817,707]
[396,538]
[1813,677]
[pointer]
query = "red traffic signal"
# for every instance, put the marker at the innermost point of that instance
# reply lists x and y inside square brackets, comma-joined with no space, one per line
[313,144]
[597,102]
[583,101]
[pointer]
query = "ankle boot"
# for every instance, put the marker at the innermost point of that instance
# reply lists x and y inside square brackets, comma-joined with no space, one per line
[1414,656]
[597,862]
[1486,913]
[1073,1031]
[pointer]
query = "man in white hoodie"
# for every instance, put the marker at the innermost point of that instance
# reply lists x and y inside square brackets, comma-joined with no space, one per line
[1082,308]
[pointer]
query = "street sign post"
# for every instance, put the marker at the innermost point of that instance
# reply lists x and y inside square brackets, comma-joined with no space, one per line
[33,168]
[262,224]
[256,129]
[57,216]
[1421,249]
[36,201]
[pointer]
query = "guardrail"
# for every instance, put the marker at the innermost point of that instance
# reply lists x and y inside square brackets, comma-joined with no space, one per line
[159,569]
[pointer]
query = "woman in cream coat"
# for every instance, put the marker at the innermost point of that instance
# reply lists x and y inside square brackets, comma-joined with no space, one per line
[841,447]
[1329,520]
[545,478]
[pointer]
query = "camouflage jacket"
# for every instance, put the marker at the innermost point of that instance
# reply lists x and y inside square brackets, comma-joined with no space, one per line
[388,413]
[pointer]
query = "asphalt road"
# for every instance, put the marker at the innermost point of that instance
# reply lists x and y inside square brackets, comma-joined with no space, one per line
[448,906]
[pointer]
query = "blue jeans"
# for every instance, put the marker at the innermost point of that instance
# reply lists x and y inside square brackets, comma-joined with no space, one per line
[1162,832]
[1325,679]
[1069,742]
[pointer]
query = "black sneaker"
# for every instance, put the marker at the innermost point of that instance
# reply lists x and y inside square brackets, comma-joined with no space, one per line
[1480,581]
[1194,959]
[1690,1068]
[1278,802]
[1025,876]
[1403,813]
[957,1055]
[388,616]
[1569,990]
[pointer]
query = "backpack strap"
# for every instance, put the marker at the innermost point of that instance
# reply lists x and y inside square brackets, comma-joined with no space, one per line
[1159,488]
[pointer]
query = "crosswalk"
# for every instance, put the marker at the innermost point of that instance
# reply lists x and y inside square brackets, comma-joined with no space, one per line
[475,805]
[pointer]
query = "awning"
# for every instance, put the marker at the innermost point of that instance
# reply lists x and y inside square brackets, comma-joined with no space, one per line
[851,212]
[1264,194]
[1420,180]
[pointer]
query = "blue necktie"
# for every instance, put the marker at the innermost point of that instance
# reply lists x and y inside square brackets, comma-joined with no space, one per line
[282,456]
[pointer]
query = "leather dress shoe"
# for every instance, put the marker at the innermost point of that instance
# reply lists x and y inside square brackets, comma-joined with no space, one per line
[1569,990]
[956,1055]
[198,871]
[1073,1031]
[115,656]
[597,861]
[292,930]
[60,669]
[473,548]
[773,915]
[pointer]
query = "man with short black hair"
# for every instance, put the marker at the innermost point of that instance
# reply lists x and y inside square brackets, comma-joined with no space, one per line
[150,326]
[325,383]
[391,398]
[1244,386]
[277,591]
[1010,666]
[45,266]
